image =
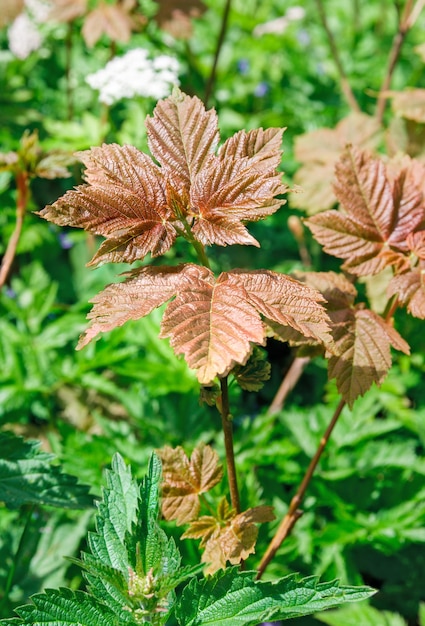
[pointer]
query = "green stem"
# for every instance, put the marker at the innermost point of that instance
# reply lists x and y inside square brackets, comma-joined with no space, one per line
[226,421]
[199,248]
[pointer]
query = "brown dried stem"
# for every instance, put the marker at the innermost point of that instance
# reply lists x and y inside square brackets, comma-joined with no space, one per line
[294,513]
[211,79]
[345,85]
[406,21]
[226,421]
[22,185]
[289,381]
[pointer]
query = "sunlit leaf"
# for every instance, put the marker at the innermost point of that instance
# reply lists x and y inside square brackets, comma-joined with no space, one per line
[230,598]
[184,480]
[362,352]
[378,215]
[410,291]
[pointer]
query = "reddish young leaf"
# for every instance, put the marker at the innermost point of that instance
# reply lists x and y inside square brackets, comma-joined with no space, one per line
[213,325]
[143,290]
[258,145]
[140,207]
[379,215]
[182,136]
[410,290]
[125,201]
[227,191]
[339,295]
[283,299]
[174,16]
[184,480]
[409,103]
[229,537]
[416,243]
[362,352]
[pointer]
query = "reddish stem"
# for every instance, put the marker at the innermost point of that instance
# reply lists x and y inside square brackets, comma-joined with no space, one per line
[22,186]
[294,513]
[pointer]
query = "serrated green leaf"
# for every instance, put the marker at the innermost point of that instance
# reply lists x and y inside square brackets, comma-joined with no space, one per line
[27,476]
[64,607]
[116,514]
[230,598]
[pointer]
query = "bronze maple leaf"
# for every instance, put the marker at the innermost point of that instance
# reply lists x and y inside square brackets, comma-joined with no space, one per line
[379,210]
[141,207]
[212,321]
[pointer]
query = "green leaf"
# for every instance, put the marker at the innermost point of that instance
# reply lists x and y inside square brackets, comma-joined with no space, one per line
[63,607]
[27,476]
[230,598]
[363,615]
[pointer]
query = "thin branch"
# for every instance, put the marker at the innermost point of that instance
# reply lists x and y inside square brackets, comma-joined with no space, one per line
[289,381]
[211,79]
[294,513]
[22,184]
[228,444]
[68,71]
[345,85]
[408,18]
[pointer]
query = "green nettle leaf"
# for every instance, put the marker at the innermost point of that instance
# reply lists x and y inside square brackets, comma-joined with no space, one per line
[23,466]
[230,598]
[132,568]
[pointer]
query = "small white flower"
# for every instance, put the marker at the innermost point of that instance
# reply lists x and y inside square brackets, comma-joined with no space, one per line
[134,74]
[23,36]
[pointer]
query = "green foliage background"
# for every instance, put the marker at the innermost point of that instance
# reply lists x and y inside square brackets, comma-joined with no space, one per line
[364,519]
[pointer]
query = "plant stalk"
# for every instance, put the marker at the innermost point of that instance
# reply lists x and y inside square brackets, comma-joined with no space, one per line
[289,381]
[344,83]
[226,421]
[213,74]
[22,187]
[294,513]
[408,18]
[68,72]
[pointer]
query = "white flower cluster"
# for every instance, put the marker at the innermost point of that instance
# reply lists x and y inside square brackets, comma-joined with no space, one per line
[23,34]
[135,74]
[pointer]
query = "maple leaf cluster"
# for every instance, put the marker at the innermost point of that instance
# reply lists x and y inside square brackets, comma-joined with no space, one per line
[206,197]
[380,225]
[225,536]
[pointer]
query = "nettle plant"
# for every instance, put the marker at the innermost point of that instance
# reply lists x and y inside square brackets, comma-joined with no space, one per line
[206,195]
